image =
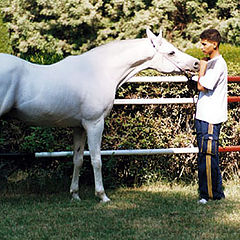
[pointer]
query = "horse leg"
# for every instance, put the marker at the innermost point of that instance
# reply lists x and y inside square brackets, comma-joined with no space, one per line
[94,134]
[79,139]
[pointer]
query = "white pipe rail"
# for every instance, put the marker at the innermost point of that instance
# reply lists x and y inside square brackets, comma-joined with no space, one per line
[122,152]
[142,79]
[143,101]
[154,79]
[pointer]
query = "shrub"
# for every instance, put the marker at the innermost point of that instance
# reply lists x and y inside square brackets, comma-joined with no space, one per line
[73,26]
[5,46]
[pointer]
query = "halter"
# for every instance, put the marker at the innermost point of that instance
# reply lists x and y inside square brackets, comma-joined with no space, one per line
[186,74]
[174,63]
[190,83]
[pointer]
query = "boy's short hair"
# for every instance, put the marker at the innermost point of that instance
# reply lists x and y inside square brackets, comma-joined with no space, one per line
[211,35]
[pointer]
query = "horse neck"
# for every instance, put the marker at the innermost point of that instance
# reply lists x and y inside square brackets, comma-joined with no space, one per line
[137,57]
[123,59]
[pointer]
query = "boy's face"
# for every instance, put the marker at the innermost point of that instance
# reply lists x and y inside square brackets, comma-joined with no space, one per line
[208,47]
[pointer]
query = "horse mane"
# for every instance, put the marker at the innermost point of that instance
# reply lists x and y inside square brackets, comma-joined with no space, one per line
[121,45]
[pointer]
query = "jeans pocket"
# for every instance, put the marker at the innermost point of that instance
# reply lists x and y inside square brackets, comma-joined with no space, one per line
[209,144]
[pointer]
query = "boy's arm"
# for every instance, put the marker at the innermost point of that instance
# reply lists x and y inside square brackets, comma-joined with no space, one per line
[202,70]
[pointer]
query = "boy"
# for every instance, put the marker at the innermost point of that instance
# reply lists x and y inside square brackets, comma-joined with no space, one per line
[211,111]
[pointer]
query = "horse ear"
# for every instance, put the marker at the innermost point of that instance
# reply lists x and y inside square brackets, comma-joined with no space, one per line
[160,35]
[155,40]
[150,34]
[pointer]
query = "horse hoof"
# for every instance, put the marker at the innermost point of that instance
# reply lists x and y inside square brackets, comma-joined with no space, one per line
[103,197]
[105,200]
[75,197]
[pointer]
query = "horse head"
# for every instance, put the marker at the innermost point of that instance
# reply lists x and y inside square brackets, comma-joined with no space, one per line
[169,59]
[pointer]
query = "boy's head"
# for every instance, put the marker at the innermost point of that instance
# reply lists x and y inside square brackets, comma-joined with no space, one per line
[210,41]
[211,35]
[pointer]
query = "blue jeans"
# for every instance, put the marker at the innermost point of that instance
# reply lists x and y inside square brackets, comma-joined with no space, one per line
[209,176]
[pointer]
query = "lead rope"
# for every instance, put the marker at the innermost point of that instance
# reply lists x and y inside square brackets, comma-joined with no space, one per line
[192,87]
[191,84]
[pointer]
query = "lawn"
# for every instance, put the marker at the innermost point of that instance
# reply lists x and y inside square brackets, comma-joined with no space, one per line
[158,211]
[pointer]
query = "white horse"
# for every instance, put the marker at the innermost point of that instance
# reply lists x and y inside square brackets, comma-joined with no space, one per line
[79,91]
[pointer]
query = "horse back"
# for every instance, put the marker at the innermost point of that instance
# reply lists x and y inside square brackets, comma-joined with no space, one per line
[59,94]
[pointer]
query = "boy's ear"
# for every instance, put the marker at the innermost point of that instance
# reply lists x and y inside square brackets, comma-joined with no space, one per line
[215,45]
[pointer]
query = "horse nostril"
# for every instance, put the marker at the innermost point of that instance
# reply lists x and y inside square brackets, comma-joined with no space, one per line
[196,65]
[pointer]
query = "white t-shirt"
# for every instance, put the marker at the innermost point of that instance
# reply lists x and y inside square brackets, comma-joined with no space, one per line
[212,105]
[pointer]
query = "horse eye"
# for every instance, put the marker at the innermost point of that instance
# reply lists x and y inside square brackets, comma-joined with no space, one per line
[171,53]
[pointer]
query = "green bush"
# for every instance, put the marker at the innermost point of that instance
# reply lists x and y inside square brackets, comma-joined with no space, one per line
[5,46]
[72,27]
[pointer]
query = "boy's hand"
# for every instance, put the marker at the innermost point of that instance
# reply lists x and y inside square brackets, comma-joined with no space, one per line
[202,70]
[202,67]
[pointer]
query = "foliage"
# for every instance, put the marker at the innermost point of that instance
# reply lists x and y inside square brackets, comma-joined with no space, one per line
[159,211]
[73,26]
[4,39]
[227,24]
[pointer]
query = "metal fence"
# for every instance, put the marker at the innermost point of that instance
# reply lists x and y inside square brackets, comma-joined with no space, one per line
[152,79]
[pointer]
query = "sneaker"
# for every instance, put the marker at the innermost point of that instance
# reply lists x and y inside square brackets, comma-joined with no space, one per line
[202,201]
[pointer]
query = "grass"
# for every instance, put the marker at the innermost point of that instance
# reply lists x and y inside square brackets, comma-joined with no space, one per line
[159,211]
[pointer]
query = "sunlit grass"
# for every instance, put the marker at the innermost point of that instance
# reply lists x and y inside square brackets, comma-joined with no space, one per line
[230,53]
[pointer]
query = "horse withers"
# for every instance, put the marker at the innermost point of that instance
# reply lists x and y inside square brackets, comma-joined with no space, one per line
[79,91]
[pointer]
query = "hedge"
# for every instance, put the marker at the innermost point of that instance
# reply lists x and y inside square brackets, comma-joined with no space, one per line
[4,39]
[75,26]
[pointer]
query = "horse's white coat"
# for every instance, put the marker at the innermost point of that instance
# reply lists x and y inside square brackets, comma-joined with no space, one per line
[79,91]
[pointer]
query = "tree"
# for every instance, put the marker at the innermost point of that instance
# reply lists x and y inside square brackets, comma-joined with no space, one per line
[75,26]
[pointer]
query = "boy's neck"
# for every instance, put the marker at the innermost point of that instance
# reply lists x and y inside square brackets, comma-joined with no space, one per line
[214,53]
